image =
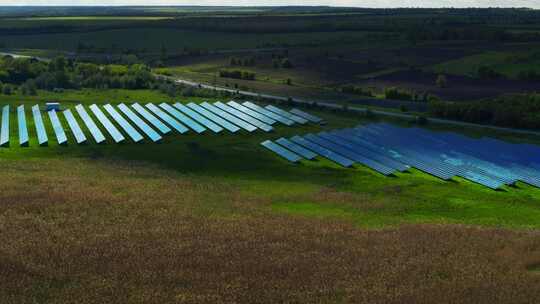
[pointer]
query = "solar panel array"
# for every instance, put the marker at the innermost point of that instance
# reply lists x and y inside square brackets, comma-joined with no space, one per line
[389,149]
[135,122]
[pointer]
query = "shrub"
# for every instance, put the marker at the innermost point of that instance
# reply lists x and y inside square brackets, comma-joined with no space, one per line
[441,81]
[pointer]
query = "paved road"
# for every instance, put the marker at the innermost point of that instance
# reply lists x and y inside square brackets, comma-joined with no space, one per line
[351,108]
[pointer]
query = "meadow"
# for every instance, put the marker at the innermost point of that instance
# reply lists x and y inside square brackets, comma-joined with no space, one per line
[77,220]
[219,219]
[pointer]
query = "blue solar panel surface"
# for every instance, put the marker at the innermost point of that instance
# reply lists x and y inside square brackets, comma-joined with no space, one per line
[224,115]
[198,117]
[305,153]
[279,150]
[111,129]
[40,127]
[151,133]
[307,116]
[151,118]
[167,118]
[4,132]
[259,124]
[286,114]
[213,117]
[388,162]
[74,126]
[124,124]
[254,114]
[350,154]
[183,118]
[61,137]
[23,128]
[90,124]
[268,113]
[339,159]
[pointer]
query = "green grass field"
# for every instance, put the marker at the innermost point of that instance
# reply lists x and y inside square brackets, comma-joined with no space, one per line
[189,220]
[505,63]
[409,198]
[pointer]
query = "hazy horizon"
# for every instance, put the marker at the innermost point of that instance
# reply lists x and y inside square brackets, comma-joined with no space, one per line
[338,3]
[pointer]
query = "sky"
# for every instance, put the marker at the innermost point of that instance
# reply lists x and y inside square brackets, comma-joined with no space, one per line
[352,3]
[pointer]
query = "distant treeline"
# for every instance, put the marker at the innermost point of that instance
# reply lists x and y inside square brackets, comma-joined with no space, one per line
[62,73]
[416,24]
[515,111]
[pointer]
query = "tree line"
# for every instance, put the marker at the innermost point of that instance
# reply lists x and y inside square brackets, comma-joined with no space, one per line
[62,73]
[515,111]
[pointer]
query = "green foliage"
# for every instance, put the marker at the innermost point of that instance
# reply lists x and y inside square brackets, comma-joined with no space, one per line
[63,73]
[518,111]
[398,94]
[488,73]
[356,90]
[442,81]
[7,89]
[237,74]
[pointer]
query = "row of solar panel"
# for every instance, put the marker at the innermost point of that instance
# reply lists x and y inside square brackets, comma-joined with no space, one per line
[388,149]
[152,121]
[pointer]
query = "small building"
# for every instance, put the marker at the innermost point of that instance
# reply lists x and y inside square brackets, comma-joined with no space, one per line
[52,106]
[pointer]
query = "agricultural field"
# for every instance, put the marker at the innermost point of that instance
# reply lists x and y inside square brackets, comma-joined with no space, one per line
[217,218]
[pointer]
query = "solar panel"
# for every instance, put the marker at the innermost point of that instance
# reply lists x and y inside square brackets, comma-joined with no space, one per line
[124,124]
[90,124]
[113,131]
[151,118]
[57,127]
[305,153]
[242,124]
[270,114]
[213,117]
[74,126]
[350,154]
[254,114]
[40,128]
[305,115]
[23,129]
[339,159]
[198,117]
[286,114]
[288,155]
[245,117]
[4,133]
[167,118]
[183,118]
[153,135]
[351,145]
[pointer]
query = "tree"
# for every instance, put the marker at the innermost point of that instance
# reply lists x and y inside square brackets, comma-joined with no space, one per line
[289,81]
[286,63]
[7,89]
[441,81]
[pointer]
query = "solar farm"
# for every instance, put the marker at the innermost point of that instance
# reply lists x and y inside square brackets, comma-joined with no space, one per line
[389,149]
[147,123]
[382,147]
